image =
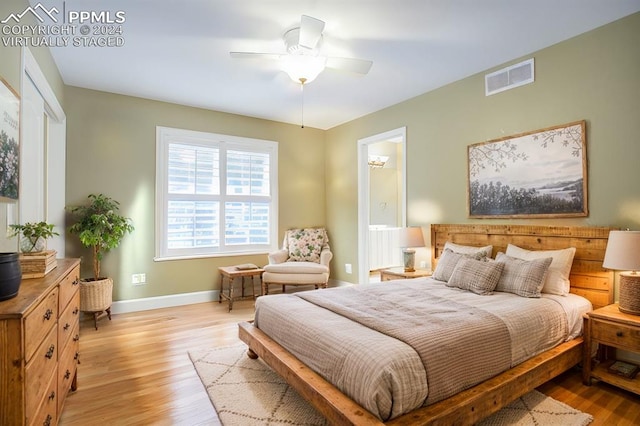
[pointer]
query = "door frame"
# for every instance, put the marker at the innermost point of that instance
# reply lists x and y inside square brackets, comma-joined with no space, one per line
[364,196]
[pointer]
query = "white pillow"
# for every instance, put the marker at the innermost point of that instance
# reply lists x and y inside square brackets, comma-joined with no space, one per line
[459,248]
[557,281]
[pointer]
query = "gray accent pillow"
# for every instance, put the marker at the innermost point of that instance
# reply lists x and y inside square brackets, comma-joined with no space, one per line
[522,277]
[476,275]
[462,249]
[448,261]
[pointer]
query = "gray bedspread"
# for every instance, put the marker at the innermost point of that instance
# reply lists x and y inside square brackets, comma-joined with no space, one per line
[393,347]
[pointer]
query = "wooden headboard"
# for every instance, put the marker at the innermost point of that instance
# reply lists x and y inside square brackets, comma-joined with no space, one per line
[588,278]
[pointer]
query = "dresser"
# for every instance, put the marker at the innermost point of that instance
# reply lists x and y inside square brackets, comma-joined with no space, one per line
[39,346]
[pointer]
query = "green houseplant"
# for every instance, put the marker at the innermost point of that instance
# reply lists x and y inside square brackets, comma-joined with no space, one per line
[101,228]
[34,235]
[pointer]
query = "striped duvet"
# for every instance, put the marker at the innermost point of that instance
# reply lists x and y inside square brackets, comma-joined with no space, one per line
[395,346]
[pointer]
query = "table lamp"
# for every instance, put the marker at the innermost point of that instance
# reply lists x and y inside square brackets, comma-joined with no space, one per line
[623,253]
[409,239]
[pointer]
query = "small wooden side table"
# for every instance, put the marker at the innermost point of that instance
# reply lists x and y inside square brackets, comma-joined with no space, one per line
[229,274]
[399,274]
[611,329]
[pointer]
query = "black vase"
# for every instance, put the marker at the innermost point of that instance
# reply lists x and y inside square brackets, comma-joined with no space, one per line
[10,275]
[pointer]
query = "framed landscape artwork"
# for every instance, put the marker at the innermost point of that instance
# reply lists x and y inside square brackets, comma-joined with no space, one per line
[9,142]
[531,175]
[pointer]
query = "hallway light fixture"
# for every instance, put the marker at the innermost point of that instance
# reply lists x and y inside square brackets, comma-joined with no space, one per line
[377,161]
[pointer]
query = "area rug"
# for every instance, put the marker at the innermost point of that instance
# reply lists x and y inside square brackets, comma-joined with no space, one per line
[248,392]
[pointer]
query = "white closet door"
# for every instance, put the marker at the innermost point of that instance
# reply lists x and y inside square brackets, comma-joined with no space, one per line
[32,155]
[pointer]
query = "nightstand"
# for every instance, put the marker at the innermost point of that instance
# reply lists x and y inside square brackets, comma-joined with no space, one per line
[399,274]
[612,329]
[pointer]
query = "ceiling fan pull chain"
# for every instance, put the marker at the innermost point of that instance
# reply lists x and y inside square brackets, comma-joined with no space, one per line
[302,81]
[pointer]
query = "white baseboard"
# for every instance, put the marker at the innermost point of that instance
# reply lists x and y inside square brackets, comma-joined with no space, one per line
[168,301]
[171,300]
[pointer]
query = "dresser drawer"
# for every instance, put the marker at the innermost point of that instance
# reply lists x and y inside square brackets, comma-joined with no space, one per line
[615,334]
[38,322]
[67,365]
[38,371]
[47,412]
[69,286]
[68,319]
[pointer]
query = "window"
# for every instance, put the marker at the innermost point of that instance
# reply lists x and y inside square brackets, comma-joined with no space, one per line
[215,194]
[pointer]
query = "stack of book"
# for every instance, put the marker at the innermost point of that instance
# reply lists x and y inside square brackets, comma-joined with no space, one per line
[38,264]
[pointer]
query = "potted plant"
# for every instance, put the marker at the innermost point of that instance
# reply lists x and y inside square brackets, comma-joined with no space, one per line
[101,228]
[34,235]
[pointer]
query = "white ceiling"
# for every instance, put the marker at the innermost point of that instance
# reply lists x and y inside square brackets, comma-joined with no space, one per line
[179,51]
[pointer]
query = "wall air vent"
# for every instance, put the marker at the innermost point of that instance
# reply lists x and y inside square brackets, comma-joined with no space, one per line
[509,77]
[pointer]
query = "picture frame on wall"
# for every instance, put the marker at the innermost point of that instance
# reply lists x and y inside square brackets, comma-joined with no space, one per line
[9,142]
[538,174]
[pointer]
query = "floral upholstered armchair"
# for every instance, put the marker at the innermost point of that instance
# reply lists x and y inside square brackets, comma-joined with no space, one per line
[303,260]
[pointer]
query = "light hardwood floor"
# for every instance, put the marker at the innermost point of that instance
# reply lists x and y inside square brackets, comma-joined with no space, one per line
[135,371]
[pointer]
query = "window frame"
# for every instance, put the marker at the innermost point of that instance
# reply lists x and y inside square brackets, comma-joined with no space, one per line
[165,136]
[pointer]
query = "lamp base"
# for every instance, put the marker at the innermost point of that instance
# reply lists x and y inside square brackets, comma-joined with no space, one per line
[629,293]
[409,258]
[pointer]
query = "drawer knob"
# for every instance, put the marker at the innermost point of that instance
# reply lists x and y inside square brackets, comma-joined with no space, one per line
[52,395]
[67,374]
[47,421]
[47,315]
[619,333]
[76,281]
[66,326]
[76,310]
[50,352]
[76,337]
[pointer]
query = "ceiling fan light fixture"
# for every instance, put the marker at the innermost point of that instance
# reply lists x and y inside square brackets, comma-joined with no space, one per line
[305,67]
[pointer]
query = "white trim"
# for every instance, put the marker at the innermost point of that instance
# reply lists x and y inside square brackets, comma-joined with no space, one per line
[31,67]
[172,300]
[168,301]
[363,194]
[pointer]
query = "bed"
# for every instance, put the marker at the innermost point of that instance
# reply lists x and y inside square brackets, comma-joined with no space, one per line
[526,368]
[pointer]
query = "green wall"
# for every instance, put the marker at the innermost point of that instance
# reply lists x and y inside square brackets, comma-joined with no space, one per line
[593,77]
[111,149]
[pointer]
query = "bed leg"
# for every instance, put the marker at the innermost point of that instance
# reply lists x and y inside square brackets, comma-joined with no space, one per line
[251,354]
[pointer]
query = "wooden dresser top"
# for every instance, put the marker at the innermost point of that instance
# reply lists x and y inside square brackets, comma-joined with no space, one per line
[33,290]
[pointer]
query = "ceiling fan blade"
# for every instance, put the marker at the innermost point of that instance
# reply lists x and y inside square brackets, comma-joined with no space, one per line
[310,31]
[254,55]
[359,66]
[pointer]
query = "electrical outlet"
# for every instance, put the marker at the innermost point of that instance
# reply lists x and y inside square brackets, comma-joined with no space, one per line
[423,264]
[347,268]
[138,279]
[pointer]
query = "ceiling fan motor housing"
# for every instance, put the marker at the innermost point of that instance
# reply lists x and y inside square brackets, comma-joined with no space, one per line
[292,43]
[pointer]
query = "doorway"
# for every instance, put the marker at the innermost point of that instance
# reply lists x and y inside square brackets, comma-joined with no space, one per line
[381,200]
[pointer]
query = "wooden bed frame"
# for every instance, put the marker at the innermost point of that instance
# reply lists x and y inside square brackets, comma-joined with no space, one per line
[588,279]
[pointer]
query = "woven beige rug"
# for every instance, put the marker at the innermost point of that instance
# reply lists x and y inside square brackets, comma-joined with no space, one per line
[247,392]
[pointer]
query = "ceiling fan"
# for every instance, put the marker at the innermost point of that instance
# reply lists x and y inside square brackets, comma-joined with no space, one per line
[302,60]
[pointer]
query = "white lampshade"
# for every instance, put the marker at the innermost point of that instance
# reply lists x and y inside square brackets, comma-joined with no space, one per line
[303,68]
[623,251]
[623,254]
[412,237]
